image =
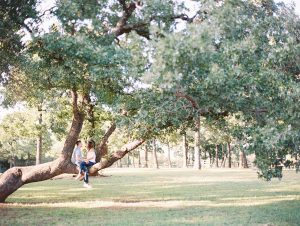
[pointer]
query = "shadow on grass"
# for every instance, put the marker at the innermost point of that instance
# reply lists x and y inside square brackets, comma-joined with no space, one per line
[163,197]
[275,213]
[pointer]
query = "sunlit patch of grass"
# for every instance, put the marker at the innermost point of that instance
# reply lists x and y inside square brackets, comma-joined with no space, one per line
[158,197]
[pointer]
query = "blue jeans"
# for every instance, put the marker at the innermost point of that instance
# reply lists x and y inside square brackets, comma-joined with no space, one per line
[84,169]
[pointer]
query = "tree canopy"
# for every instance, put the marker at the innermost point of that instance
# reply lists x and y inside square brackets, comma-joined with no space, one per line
[152,68]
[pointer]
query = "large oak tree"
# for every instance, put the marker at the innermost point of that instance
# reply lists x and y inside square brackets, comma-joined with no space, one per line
[236,56]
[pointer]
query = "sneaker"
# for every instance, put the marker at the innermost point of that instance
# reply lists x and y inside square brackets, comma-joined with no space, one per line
[87,185]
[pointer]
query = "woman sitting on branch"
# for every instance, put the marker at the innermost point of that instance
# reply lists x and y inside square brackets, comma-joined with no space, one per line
[87,163]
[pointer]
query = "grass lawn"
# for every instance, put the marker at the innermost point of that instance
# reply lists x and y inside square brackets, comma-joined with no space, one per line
[158,197]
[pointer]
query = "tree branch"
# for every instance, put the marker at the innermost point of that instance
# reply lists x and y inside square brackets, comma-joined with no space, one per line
[142,27]
[117,155]
[75,102]
[189,98]
[108,133]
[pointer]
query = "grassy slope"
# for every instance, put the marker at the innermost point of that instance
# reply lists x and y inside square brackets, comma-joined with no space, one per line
[158,197]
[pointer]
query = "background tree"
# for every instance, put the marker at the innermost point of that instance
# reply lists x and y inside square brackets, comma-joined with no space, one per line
[18,136]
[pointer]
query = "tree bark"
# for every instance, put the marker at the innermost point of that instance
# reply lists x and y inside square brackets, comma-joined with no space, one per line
[15,177]
[229,154]
[185,150]
[155,161]
[197,162]
[102,149]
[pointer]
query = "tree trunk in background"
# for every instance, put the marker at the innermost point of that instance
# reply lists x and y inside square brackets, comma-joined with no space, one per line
[241,159]
[155,161]
[224,156]
[229,154]
[139,159]
[211,161]
[169,156]
[28,159]
[197,162]
[128,160]
[133,163]
[12,162]
[146,156]
[185,150]
[217,156]
[245,162]
[39,140]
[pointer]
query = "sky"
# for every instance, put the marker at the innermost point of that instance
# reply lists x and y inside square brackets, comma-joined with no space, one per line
[48,22]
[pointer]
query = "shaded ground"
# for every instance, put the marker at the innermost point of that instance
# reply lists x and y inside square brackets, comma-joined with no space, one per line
[158,197]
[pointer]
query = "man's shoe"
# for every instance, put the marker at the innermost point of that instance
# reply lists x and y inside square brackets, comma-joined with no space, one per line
[87,185]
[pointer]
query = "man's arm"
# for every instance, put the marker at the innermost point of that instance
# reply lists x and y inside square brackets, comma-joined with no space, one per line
[78,157]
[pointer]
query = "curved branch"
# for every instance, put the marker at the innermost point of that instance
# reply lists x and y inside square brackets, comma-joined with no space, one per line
[102,146]
[117,155]
[107,134]
[189,98]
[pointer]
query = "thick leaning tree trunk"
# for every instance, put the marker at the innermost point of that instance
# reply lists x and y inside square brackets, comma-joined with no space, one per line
[16,177]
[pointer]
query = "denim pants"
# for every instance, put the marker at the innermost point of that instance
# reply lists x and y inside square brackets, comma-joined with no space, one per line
[84,169]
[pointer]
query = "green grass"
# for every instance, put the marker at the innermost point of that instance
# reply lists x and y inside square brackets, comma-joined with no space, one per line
[158,197]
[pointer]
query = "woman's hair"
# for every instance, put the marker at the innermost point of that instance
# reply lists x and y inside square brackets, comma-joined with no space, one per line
[91,144]
[78,142]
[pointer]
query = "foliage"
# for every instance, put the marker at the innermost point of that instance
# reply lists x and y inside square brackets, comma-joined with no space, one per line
[127,62]
[19,132]
[13,14]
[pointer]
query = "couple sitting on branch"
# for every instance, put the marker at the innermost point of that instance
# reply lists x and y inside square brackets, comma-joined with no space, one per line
[84,164]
